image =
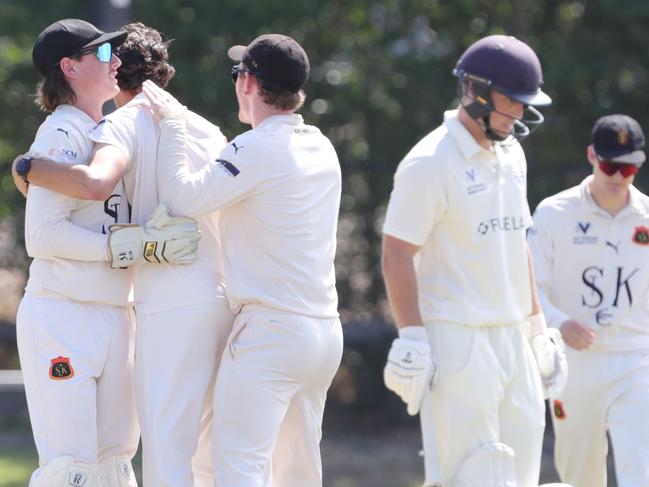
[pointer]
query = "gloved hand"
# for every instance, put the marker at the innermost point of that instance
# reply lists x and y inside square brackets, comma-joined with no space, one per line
[550,353]
[410,369]
[164,238]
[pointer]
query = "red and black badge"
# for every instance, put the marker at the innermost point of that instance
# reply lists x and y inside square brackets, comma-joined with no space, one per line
[557,407]
[61,368]
[641,236]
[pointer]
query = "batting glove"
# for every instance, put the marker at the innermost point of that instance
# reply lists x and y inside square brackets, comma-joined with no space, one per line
[550,353]
[163,238]
[410,368]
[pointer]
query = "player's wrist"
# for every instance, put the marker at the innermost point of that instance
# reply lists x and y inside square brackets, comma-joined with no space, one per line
[538,324]
[416,333]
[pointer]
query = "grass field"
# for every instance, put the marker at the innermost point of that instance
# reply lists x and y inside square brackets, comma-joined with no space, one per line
[351,457]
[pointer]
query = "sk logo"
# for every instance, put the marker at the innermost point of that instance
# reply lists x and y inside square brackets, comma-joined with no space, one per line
[623,137]
[470,175]
[61,369]
[583,227]
[641,235]
[559,412]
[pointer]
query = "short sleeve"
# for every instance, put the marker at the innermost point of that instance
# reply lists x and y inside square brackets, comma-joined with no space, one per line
[59,144]
[417,202]
[118,130]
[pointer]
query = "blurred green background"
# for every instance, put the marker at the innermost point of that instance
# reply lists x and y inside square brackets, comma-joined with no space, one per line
[380,80]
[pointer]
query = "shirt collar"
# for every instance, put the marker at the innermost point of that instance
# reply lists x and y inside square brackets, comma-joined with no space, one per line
[634,207]
[465,141]
[292,120]
[76,112]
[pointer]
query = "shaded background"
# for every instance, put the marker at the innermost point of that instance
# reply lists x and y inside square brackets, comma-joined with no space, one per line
[380,80]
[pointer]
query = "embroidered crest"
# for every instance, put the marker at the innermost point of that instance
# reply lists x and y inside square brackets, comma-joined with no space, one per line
[641,235]
[61,368]
[557,407]
[623,137]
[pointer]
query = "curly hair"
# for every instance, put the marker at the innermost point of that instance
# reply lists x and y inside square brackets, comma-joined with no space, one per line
[144,56]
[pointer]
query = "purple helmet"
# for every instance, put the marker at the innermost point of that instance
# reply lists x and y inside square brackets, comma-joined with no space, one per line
[510,65]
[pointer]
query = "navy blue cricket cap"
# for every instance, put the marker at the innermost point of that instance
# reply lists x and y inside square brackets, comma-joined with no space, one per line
[619,138]
[275,58]
[66,38]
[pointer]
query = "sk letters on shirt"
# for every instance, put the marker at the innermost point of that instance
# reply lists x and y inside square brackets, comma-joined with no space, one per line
[133,131]
[66,236]
[466,207]
[593,267]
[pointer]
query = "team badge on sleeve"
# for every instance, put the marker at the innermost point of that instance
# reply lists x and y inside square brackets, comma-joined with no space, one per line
[559,411]
[641,235]
[61,368]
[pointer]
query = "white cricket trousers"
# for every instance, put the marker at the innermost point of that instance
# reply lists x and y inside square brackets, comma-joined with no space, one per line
[488,389]
[77,365]
[269,399]
[605,391]
[177,353]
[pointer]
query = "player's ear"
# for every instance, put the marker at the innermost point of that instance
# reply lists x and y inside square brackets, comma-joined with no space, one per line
[68,67]
[590,154]
[250,82]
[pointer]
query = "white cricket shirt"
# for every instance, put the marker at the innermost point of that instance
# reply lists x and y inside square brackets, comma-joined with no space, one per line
[466,207]
[593,267]
[66,236]
[158,287]
[278,187]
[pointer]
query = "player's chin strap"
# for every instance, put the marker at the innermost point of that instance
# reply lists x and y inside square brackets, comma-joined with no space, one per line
[481,106]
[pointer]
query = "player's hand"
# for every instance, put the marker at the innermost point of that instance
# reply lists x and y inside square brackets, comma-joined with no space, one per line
[410,369]
[163,239]
[20,183]
[550,353]
[577,335]
[162,103]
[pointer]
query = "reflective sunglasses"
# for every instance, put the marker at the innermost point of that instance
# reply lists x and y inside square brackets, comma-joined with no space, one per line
[610,168]
[104,52]
[237,70]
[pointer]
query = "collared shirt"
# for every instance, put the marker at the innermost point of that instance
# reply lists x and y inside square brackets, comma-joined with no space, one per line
[594,267]
[66,236]
[158,287]
[466,208]
[278,188]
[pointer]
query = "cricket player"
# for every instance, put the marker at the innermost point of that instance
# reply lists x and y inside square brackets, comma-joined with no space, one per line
[458,276]
[277,187]
[74,325]
[591,246]
[183,318]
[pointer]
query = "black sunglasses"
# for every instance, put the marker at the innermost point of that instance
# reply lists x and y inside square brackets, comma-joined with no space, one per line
[237,70]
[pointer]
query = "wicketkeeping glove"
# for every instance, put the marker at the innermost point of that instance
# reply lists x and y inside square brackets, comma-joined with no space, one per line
[550,353]
[410,369]
[164,238]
